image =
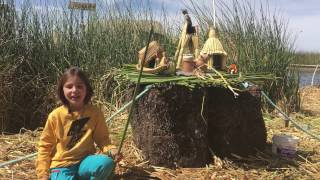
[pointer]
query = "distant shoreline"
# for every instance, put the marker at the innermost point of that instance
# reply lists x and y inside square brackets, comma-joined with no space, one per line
[304,67]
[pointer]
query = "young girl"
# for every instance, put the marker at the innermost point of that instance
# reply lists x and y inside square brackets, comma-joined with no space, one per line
[67,143]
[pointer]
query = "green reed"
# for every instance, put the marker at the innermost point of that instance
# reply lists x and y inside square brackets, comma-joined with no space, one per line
[256,39]
[38,45]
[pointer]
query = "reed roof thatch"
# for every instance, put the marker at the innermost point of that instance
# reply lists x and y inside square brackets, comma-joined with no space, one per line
[213,45]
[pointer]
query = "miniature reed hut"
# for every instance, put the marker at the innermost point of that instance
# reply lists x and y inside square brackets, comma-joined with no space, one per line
[189,41]
[214,48]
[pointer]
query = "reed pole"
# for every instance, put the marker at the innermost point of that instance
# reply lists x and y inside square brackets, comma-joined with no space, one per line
[135,92]
[314,74]
[214,13]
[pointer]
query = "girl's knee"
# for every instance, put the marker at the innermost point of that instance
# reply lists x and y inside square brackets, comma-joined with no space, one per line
[98,166]
[105,162]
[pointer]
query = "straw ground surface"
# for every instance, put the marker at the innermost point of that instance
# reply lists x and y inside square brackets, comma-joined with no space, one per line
[310,99]
[263,165]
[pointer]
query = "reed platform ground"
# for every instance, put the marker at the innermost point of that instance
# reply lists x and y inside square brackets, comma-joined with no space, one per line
[310,99]
[263,165]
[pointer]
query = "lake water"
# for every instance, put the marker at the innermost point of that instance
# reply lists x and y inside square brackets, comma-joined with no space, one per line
[306,78]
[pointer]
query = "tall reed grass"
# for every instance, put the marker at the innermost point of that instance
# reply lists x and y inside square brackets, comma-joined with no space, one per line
[43,43]
[37,45]
[257,40]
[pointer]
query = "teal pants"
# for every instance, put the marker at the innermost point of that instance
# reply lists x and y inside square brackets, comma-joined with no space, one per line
[93,167]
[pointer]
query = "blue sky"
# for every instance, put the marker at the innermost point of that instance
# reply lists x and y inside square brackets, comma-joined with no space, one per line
[303,15]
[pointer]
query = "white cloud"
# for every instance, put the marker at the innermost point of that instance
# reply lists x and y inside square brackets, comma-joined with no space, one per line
[307,29]
[304,18]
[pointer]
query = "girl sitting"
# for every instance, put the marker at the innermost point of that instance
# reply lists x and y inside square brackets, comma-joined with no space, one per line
[67,143]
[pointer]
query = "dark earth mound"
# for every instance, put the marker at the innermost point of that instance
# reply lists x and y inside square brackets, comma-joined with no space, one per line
[176,126]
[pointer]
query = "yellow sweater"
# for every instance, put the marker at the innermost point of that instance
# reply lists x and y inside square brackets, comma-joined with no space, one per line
[69,137]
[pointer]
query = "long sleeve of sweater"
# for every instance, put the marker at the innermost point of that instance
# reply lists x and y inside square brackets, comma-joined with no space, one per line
[45,149]
[101,134]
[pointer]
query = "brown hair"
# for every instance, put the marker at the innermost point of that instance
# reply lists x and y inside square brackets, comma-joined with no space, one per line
[74,71]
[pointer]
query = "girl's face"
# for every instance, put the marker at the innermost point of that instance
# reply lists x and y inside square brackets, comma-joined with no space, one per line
[75,92]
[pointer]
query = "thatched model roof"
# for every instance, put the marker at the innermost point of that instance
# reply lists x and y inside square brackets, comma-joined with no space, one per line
[213,45]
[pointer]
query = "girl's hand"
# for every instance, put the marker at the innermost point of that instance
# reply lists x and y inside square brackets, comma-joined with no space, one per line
[113,153]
